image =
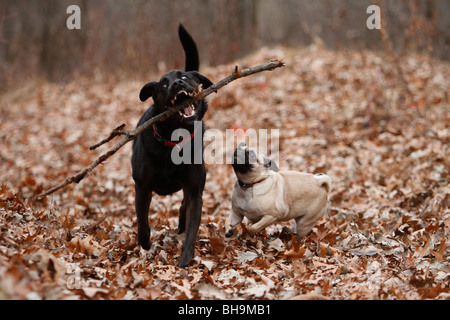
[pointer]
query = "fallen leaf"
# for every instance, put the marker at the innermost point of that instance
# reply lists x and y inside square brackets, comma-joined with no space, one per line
[244,257]
[92,292]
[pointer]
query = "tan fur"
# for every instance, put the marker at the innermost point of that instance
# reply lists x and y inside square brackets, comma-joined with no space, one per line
[281,196]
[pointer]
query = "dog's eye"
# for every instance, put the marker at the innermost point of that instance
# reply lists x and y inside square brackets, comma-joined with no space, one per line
[183,78]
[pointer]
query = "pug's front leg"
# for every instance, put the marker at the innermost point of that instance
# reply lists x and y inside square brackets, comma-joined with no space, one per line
[233,219]
[265,221]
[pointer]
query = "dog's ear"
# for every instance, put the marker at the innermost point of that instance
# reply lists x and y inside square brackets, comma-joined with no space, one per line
[148,90]
[269,164]
[202,79]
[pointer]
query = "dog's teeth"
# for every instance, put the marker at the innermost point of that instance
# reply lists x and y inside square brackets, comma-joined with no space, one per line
[192,108]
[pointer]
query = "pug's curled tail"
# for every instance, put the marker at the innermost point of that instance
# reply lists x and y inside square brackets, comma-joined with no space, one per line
[324,181]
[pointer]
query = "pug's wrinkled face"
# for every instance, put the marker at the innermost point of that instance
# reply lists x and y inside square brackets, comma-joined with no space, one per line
[248,163]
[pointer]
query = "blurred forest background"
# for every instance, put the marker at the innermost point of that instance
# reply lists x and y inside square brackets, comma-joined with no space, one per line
[136,36]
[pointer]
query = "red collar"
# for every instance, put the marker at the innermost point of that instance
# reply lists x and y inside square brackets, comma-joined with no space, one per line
[167,143]
[248,186]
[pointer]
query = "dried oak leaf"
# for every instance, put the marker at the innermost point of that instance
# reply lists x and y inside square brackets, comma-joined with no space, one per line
[92,292]
[218,246]
[86,245]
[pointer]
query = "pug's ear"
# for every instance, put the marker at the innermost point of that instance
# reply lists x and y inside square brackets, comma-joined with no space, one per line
[148,90]
[269,164]
[202,79]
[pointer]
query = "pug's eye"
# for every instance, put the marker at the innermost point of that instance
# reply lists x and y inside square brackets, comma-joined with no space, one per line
[183,78]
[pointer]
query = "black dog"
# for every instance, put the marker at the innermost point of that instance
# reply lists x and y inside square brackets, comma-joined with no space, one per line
[153,168]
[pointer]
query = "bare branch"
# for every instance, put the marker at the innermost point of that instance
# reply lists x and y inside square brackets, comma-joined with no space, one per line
[116,132]
[131,135]
[237,74]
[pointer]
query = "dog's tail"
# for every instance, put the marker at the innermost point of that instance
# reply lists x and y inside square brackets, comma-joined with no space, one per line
[190,49]
[324,181]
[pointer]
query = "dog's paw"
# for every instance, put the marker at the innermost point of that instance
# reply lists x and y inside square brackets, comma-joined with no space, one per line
[145,244]
[229,233]
[252,230]
[186,257]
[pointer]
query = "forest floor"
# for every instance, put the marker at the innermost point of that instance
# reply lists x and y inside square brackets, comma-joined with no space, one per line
[344,113]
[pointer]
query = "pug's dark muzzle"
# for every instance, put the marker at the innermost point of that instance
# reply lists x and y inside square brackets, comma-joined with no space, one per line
[241,161]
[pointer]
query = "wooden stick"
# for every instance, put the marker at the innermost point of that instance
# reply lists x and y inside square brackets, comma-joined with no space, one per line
[116,132]
[131,135]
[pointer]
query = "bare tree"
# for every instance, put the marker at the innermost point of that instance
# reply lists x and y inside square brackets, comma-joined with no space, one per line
[139,37]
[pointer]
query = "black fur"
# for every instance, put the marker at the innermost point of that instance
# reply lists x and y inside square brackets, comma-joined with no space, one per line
[190,49]
[153,169]
[243,160]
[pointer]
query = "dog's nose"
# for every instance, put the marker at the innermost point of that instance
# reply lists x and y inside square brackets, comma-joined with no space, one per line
[178,83]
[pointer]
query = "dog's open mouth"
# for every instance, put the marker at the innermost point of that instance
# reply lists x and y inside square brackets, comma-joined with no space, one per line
[181,96]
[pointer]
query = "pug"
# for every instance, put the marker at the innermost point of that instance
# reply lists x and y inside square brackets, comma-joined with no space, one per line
[265,195]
